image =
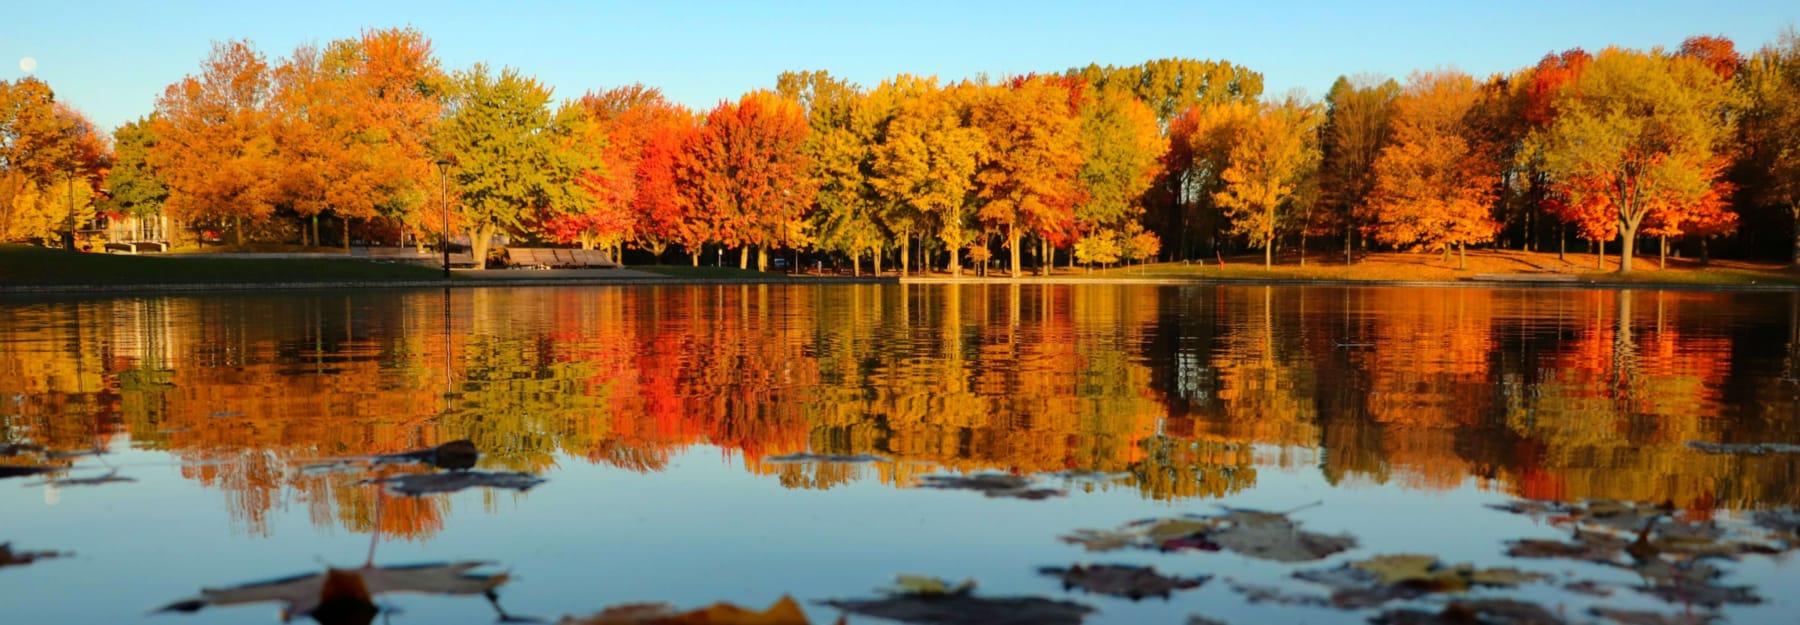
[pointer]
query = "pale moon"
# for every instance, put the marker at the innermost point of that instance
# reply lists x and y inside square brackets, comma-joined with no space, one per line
[28,64]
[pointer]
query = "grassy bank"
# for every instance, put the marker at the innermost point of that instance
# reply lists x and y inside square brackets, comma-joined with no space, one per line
[22,265]
[1408,267]
[703,271]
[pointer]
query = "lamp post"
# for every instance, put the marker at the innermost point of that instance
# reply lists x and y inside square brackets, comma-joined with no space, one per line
[443,165]
[69,243]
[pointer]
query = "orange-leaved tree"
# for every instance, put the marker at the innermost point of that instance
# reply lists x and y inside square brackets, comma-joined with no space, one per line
[217,151]
[1029,172]
[1435,184]
[1637,131]
[744,172]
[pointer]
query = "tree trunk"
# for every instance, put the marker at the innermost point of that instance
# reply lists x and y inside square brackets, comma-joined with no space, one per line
[346,222]
[695,256]
[1046,256]
[955,263]
[905,254]
[1349,239]
[744,257]
[478,244]
[1794,209]
[1599,255]
[1662,253]
[1302,247]
[762,258]
[1562,239]
[1013,243]
[856,265]
[1269,254]
[1625,245]
[237,229]
[1462,258]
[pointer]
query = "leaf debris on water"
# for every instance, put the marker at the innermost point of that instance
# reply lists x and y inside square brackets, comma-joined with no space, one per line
[1120,580]
[992,485]
[785,611]
[1250,533]
[434,483]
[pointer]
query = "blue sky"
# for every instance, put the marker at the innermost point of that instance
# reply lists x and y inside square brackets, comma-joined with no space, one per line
[112,58]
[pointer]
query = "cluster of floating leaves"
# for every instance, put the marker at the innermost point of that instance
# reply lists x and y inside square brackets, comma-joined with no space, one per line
[455,460]
[1676,557]
[1250,533]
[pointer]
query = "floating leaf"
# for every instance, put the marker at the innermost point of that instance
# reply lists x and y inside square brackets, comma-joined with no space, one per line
[1595,548]
[111,477]
[1704,593]
[783,612]
[1384,578]
[1195,619]
[7,470]
[1131,582]
[1637,617]
[434,483]
[457,455]
[1103,540]
[992,485]
[1251,533]
[1479,611]
[928,585]
[960,609]
[8,557]
[1588,587]
[1270,594]
[347,594]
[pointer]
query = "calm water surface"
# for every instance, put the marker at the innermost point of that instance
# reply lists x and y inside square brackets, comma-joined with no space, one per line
[654,412]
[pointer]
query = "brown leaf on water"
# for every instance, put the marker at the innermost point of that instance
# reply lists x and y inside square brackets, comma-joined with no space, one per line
[419,484]
[1250,533]
[10,470]
[1598,548]
[1131,582]
[1702,594]
[1270,594]
[347,595]
[1385,578]
[1474,612]
[1639,617]
[456,455]
[8,557]
[992,485]
[783,612]
[965,609]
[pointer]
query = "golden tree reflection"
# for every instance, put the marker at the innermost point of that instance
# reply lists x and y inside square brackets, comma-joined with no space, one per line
[1187,391]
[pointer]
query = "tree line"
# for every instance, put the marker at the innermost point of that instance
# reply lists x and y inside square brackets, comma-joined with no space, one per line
[1172,159]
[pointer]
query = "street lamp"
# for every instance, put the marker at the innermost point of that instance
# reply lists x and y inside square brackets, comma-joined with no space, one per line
[69,243]
[443,165]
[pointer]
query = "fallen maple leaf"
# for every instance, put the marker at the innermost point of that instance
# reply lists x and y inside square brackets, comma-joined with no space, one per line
[783,612]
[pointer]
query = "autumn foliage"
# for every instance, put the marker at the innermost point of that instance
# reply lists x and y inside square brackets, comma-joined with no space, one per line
[1099,164]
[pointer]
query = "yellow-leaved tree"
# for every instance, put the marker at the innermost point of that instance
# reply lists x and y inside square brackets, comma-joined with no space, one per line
[1275,157]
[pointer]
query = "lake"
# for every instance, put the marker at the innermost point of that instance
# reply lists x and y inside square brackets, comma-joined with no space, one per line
[1584,452]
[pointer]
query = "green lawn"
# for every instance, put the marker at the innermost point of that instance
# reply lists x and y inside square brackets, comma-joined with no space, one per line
[27,265]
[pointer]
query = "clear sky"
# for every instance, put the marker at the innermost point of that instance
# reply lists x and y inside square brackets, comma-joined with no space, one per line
[112,58]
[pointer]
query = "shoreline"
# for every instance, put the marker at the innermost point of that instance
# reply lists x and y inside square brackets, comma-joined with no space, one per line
[638,279]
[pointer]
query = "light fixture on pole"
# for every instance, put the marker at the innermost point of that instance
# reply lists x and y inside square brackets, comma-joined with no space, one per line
[443,165]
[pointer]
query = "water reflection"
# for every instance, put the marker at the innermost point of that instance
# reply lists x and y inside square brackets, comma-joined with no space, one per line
[1555,394]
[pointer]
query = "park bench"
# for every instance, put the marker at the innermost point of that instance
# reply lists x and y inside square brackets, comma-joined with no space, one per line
[556,258]
[412,255]
[133,247]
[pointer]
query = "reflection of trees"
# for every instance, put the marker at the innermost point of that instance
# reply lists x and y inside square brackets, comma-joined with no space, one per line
[1189,390]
